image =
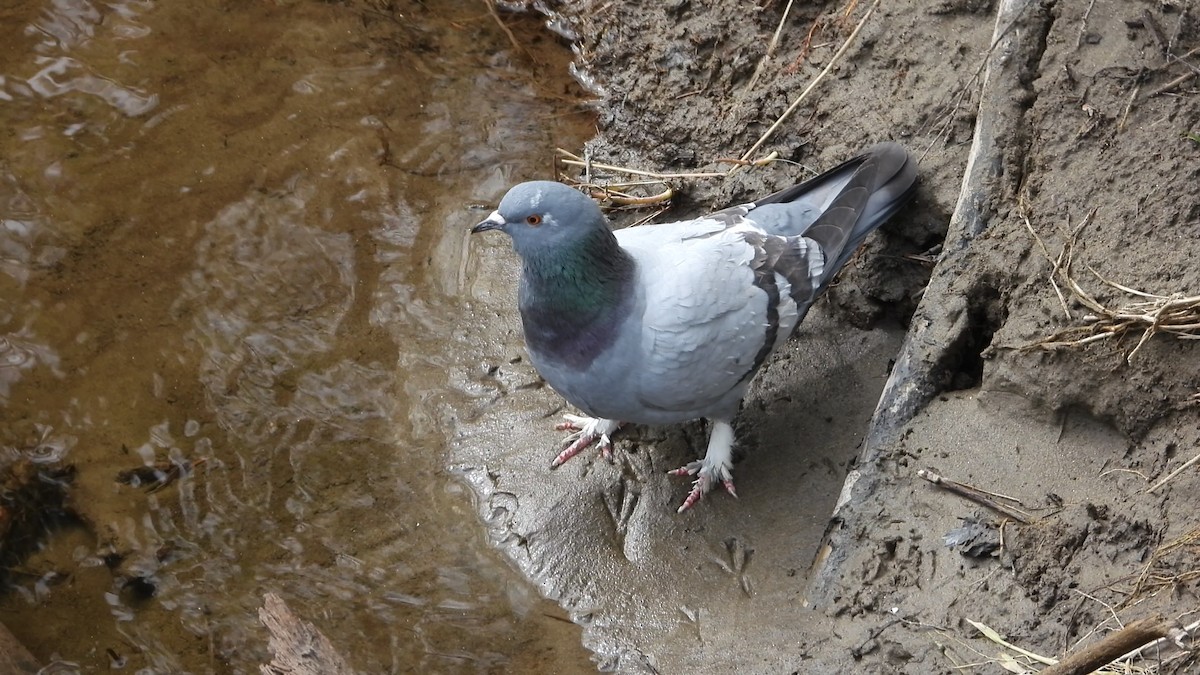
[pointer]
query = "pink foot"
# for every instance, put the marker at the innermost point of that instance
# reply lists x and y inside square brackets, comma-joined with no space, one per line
[587,430]
[703,483]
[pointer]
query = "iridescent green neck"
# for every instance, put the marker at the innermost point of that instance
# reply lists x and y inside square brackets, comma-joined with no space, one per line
[571,301]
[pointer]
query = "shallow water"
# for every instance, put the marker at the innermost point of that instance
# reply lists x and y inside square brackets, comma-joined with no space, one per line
[233,235]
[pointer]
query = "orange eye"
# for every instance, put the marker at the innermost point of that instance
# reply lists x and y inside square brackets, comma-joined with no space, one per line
[534,220]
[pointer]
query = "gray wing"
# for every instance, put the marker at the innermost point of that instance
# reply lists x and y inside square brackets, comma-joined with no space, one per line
[715,307]
[722,292]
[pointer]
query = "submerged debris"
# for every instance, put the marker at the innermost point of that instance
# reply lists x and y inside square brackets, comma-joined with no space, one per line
[33,501]
[158,475]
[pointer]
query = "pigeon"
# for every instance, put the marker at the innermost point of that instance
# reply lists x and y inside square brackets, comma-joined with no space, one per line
[662,324]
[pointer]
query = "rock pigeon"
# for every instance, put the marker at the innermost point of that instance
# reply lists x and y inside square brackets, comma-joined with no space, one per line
[667,323]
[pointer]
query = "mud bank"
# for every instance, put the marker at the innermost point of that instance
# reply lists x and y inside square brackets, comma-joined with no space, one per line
[1070,121]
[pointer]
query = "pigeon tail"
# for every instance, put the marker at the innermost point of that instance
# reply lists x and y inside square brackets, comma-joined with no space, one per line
[880,181]
[840,207]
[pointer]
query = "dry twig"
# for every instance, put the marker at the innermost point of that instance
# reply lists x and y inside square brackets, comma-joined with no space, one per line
[1114,646]
[983,497]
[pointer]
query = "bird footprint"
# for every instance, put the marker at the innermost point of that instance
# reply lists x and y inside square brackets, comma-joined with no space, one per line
[736,561]
[621,499]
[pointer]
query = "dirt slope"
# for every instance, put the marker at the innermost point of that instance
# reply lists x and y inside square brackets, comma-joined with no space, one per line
[1073,139]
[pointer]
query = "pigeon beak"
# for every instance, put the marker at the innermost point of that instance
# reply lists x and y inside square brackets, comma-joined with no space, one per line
[492,222]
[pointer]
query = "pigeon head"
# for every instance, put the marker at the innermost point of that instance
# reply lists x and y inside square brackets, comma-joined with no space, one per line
[544,216]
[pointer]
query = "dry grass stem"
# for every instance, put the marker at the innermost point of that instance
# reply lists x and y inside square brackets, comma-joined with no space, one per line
[812,85]
[1054,270]
[1128,107]
[652,216]
[992,635]
[616,197]
[770,47]
[1173,474]
[616,192]
[761,161]
[566,158]
[1160,573]
[1177,314]
[573,160]
[1130,471]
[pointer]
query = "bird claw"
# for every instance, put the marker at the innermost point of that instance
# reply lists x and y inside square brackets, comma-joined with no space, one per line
[587,430]
[729,488]
[705,478]
[573,423]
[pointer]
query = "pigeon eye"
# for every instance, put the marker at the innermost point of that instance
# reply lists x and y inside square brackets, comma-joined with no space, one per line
[534,220]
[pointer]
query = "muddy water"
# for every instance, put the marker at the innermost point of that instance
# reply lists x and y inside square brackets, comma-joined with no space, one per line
[233,235]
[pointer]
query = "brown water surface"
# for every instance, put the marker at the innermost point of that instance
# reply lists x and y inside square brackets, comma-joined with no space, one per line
[235,232]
